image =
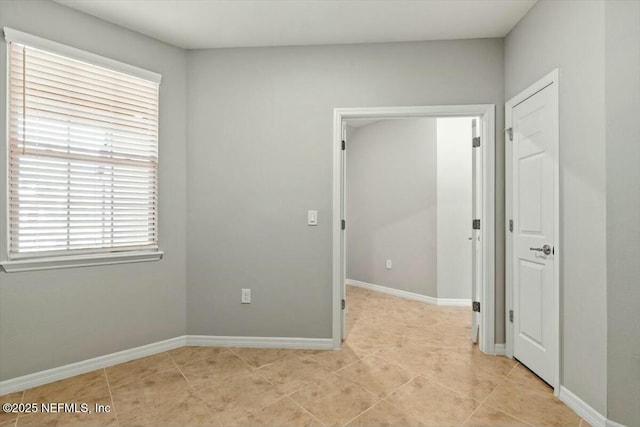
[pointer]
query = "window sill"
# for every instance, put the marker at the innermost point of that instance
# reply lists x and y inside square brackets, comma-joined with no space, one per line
[50,263]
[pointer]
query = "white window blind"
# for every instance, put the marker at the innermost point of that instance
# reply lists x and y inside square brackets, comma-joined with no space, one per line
[83,157]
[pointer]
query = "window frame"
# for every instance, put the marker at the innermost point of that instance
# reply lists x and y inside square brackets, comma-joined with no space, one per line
[99,256]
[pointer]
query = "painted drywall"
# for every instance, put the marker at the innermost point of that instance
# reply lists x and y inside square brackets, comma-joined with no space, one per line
[454,204]
[55,317]
[391,205]
[622,87]
[569,35]
[260,155]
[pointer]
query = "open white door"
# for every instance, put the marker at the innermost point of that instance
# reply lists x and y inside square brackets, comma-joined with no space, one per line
[343,234]
[534,187]
[476,253]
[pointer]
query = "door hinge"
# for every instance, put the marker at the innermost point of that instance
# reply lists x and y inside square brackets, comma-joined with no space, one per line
[511,225]
[344,144]
[511,316]
[476,141]
[476,306]
[509,133]
[344,304]
[476,224]
[344,224]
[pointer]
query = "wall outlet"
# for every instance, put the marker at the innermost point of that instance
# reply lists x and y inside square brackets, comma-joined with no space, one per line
[389,264]
[246,296]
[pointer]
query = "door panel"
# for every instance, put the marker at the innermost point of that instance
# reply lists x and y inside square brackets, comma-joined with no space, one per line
[531,289]
[533,122]
[530,194]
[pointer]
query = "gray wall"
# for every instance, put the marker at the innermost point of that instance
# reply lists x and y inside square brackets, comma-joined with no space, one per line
[622,86]
[391,207]
[260,155]
[52,318]
[569,35]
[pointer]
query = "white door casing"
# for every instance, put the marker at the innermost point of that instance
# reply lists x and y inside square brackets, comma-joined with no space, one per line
[476,252]
[343,231]
[533,253]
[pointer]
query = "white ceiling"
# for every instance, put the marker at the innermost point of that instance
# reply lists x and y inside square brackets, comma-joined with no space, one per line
[197,24]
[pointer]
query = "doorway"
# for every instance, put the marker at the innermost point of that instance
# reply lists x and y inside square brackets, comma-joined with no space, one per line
[483,234]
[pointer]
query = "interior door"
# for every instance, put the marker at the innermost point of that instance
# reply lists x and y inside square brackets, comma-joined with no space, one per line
[534,149]
[476,206]
[343,273]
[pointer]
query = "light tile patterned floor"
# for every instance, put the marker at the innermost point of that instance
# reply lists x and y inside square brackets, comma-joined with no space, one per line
[404,363]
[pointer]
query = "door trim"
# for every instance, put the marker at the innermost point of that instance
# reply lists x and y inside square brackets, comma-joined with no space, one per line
[550,80]
[486,112]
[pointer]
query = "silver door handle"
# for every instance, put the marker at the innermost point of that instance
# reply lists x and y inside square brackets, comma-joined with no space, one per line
[546,249]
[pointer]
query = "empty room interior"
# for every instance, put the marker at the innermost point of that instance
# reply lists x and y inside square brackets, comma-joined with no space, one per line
[320,213]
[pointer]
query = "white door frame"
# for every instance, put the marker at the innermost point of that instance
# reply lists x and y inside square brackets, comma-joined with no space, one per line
[551,81]
[486,112]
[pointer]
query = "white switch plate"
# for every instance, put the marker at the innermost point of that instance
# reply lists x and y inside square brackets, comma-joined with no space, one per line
[389,264]
[312,218]
[246,296]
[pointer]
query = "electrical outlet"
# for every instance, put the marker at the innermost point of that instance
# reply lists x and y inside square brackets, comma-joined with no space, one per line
[389,264]
[246,296]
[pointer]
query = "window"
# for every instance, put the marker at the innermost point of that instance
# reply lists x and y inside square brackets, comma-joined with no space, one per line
[82,157]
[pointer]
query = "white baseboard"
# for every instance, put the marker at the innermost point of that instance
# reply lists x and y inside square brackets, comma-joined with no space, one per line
[260,342]
[410,295]
[582,408]
[50,375]
[499,350]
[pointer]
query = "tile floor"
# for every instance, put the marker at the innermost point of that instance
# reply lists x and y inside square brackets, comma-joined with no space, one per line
[404,363]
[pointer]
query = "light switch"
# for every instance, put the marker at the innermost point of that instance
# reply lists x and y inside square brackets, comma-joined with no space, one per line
[312,218]
[246,296]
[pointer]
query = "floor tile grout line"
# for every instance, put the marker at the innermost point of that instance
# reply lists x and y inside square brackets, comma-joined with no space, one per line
[400,409]
[15,420]
[475,409]
[113,404]
[388,393]
[305,410]
[511,370]
[195,391]
[442,384]
[251,371]
[297,352]
[349,364]
[484,402]
[363,412]
[161,371]
[454,390]
[226,350]
[531,389]
[248,413]
[349,381]
[508,414]
[183,375]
